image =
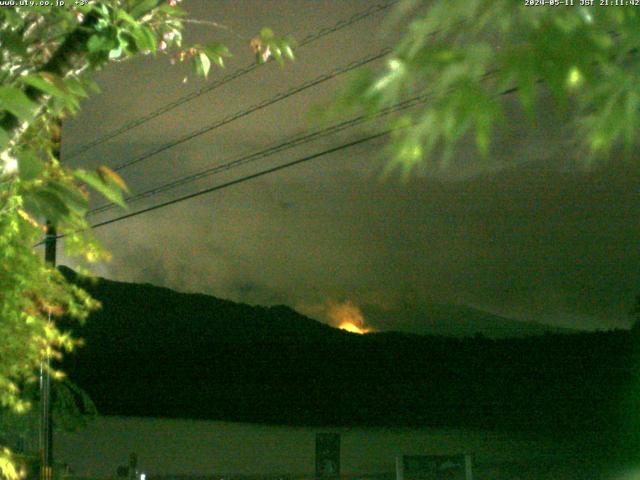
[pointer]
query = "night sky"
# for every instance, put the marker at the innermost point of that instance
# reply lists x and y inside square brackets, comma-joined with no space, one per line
[523,234]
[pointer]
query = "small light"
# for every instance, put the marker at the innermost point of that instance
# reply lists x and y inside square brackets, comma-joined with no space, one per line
[10,164]
[575,77]
[394,64]
[143,476]
[586,15]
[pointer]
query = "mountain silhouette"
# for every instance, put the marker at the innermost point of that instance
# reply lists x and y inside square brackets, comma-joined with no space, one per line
[452,321]
[151,351]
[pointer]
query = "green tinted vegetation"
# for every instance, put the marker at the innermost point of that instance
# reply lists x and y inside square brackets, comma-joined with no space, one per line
[459,57]
[47,58]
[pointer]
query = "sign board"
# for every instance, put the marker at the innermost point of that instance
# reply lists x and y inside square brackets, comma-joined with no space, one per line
[434,467]
[128,471]
[327,455]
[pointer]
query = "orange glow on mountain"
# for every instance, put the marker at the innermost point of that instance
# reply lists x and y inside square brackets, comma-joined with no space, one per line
[350,327]
[347,316]
[344,315]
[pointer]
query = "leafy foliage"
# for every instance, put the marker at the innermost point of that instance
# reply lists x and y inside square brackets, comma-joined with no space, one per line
[460,56]
[47,57]
[267,46]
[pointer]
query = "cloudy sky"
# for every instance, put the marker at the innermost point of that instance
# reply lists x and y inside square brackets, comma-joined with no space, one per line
[524,234]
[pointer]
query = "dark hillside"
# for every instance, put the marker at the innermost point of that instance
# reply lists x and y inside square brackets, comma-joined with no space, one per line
[154,352]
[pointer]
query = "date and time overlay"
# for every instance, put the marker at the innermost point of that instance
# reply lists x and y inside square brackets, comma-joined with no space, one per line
[582,3]
[45,3]
[527,3]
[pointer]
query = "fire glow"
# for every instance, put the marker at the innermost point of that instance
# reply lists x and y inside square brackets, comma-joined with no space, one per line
[347,316]
[350,327]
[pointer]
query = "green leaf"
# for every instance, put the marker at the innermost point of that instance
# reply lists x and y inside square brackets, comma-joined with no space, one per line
[99,43]
[46,203]
[29,165]
[13,42]
[266,33]
[126,41]
[91,85]
[173,11]
[205,63]
[142,7]
[70,195]
[103,9]
[75,87]
[47,83]
[217,50]
[4,138]
[115,52]
[483,139]
[288,51]
[144,38]
[218,61]
[15,101]
[13,18]
[109,190]
[112,177]
[122,15]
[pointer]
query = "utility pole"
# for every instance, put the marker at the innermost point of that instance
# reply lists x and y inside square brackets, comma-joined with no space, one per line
[46,424]
[46,437]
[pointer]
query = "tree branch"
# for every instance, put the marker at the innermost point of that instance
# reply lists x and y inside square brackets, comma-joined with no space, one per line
[59,63]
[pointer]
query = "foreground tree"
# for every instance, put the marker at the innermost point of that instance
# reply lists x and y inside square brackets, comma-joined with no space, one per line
[47,58]
[460,56]
[457,56]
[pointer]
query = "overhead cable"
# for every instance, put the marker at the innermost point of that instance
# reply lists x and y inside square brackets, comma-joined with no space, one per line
[265,103]
[226,79]
[243,179]
[271,150]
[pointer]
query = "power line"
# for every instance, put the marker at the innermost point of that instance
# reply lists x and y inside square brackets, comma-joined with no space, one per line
[412,102]
[244,179]
[259,106]
[226,79]
[271,150]
[234,182]
[258,174]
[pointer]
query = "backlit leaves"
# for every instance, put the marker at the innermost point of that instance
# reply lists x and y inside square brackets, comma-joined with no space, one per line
[106,182]
[7,465]
[217,52]
[47,83]
[142,7]
[202,64]
[14,101]
[30,167]
[462,57]
[4,139]
[35,189]
[268,46]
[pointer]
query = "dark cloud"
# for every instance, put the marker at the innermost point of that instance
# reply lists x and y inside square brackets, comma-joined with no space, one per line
[523,233]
